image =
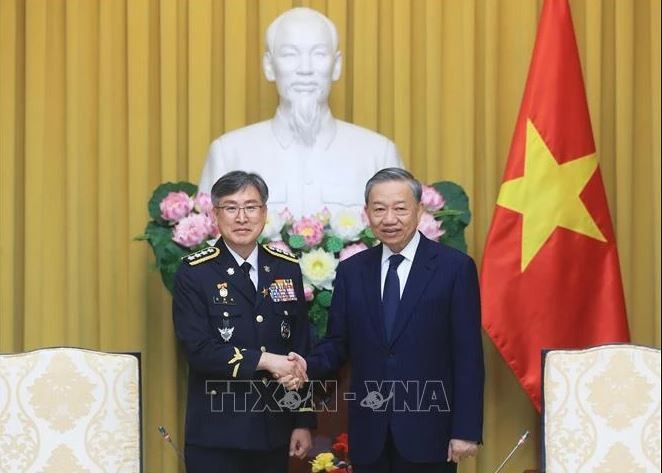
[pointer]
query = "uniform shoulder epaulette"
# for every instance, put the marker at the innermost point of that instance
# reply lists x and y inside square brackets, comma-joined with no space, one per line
[278,253]
[201,256]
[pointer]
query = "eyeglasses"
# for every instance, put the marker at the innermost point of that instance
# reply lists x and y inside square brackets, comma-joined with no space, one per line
[233,210]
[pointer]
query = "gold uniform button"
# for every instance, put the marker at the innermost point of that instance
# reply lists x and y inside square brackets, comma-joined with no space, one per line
[263,348]
[259,319]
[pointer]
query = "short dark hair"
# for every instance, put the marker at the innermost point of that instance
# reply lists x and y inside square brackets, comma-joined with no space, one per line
[394,174]
[235,181]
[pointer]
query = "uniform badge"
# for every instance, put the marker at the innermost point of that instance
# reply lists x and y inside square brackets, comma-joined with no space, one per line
[267,268]
[282,290]
[285,330]
[226,333]
[223,293]
[230,271]
[222,289]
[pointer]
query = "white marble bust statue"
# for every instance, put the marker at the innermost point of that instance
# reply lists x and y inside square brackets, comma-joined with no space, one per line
[309,159]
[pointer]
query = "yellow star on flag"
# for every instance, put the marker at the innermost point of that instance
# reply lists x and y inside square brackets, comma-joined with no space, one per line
[547,195]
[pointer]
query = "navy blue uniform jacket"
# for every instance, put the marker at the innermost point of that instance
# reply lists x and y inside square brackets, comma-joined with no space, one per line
[433,362]
[211,292]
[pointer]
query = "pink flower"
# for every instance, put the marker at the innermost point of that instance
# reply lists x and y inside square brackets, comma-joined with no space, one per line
[193,230]
[176,206]
[279,245]
[203,203]
[430,227]
[323,216]
[431,199]
[214,232]
[351,250]
[310,229]
[308,292]
[286,215]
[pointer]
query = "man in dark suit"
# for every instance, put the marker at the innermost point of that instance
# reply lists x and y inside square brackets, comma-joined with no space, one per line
[406,314]
[238,309]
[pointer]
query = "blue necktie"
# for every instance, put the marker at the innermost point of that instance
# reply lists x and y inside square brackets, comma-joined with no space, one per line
[391,296]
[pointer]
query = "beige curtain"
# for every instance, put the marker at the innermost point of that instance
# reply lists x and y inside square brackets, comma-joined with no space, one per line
[100,101]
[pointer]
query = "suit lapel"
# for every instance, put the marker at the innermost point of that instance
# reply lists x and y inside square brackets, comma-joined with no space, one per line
[421,271]
[372,287]
[235,276]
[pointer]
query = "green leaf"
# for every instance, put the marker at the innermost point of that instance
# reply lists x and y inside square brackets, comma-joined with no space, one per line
[333,244]
[455,215]
[368,237]
[161,192]
[296,242]
[455,241]
[318,317]
[456,199]
[168,276]
[323,298]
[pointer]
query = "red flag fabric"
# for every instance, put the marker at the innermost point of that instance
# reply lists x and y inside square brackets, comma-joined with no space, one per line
[550,276]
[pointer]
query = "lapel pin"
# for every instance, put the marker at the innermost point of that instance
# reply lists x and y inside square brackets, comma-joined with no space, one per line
[267,268]
[230,271]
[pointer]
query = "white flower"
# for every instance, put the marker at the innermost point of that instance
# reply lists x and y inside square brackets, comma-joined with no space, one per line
[347,224]
[318,268]
[273,227]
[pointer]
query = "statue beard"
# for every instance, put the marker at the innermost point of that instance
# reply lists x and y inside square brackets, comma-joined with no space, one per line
[306,118]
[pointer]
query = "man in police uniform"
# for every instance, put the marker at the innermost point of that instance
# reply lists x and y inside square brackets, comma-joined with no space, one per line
[238,309]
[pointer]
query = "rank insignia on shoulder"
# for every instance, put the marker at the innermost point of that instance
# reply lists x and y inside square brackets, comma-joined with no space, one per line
[277,252]
[201,256]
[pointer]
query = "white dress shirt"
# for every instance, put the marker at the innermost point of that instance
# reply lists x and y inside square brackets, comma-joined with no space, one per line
[252,259]
[408,252]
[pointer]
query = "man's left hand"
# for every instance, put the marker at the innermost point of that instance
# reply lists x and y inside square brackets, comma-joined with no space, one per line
[460,449]
[300,443]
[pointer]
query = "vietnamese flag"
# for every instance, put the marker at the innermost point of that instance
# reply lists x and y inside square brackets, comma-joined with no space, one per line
[550,276]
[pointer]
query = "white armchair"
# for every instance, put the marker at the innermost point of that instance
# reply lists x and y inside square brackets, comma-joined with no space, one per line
[69,410]
[601,410]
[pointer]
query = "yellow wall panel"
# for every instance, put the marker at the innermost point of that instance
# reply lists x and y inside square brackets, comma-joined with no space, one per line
[102,100]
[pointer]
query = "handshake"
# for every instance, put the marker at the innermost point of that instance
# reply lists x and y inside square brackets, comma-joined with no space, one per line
[289,370]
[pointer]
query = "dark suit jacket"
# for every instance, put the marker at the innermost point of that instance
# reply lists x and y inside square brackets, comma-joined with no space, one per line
[211,293]
[433,362]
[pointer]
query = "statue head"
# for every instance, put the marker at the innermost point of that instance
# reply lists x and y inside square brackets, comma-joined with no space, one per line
[302,57]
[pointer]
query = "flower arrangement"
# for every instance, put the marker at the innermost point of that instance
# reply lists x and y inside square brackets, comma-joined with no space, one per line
[337,460]
[181,222]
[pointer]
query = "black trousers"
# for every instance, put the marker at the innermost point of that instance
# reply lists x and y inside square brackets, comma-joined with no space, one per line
[228,460]
[390,461]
